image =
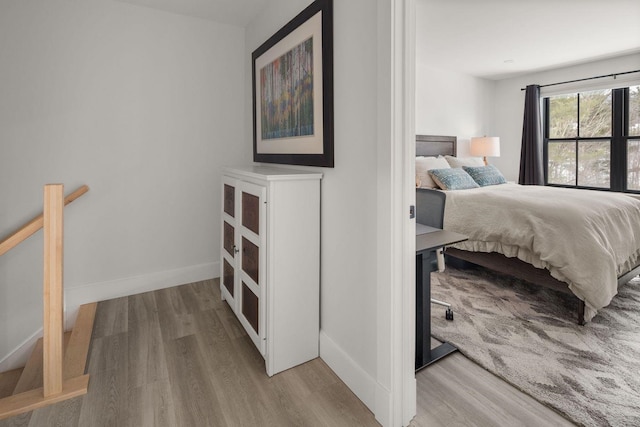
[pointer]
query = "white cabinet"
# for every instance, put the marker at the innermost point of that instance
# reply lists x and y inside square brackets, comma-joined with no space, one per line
[271,260]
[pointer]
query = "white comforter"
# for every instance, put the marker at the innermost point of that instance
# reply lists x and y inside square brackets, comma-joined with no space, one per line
[584,238]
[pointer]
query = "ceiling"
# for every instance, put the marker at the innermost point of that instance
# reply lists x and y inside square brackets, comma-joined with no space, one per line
[498,39]
[493,39]
[233,12]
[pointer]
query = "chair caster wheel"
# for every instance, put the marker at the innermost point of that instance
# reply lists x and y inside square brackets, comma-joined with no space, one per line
[449,314]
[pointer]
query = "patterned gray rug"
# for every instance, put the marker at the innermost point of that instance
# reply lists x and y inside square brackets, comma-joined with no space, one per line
[529,337]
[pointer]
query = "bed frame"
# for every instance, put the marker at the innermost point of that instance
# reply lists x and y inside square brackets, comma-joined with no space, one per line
[429,145]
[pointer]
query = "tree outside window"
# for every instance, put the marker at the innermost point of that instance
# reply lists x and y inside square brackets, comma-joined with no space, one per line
[582,136]
[633,145]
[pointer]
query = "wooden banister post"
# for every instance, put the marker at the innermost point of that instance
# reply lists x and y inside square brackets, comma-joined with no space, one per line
[53,292]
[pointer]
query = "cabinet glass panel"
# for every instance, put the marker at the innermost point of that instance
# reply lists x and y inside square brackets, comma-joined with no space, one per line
[250,306]
[228,277]
[250,259]
[228,238]
[230,200]
[251,212]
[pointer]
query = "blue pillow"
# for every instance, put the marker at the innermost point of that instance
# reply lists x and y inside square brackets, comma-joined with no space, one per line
[485,175]
[452,179]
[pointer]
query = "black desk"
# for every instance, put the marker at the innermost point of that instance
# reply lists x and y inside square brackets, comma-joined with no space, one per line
[428,240]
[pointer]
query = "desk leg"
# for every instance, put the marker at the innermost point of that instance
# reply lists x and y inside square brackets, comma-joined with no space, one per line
[423,309]
[424,354]
[419,313]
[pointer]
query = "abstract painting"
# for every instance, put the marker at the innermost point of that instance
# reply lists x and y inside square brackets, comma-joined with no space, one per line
[293,91]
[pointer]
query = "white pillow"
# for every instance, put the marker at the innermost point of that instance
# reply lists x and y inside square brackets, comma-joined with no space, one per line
[458,162]
[424,165]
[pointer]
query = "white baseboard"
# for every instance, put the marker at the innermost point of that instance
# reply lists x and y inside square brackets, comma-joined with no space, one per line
[357,379]
[383,405]
[101,291]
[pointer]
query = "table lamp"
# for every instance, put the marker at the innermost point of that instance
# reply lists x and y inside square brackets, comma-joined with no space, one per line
[485,146]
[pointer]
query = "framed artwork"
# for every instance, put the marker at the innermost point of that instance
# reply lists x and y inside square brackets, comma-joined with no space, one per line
[293,91]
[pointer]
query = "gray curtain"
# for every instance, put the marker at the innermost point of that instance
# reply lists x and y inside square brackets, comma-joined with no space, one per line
[531,168]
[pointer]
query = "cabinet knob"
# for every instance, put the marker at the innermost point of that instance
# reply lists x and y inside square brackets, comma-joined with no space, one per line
[235,249]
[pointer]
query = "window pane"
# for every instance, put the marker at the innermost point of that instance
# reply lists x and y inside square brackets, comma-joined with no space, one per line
[634,110]
[633,165]
[563,116]
[595,113]
[562,163]
[594,163]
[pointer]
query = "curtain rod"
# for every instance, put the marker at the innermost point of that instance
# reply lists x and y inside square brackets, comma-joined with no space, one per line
[588,78]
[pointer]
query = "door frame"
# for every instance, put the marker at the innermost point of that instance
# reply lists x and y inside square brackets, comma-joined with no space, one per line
[396,383]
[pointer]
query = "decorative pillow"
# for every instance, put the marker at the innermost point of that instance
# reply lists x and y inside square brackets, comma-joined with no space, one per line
[485,175]
[423,165]
[452,179]
[458,162]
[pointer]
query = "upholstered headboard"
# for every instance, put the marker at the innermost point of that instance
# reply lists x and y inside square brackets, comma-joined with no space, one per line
[432,145]
[430,203]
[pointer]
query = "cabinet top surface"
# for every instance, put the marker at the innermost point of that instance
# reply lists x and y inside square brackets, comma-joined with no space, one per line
[272,172]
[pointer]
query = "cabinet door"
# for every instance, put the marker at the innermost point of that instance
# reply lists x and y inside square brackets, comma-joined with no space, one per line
[230,248]
[251,238]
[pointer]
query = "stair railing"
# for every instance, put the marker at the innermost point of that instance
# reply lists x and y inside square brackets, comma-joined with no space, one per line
[54,383]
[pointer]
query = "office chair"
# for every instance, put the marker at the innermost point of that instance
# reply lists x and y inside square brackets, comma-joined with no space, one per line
[430,211]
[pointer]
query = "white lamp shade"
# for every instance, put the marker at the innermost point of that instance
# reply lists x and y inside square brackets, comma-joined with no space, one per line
[485,146]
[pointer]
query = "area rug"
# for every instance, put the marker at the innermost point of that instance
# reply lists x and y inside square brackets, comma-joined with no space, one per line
[529,336]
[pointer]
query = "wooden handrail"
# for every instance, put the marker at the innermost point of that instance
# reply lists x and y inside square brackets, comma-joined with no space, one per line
[34,225]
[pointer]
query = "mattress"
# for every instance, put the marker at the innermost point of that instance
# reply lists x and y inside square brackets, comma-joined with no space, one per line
[585,238]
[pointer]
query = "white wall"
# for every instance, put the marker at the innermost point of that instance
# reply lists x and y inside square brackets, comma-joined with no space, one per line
[450,103]
[509,102]
[141,105]
[349,191]
[145,107]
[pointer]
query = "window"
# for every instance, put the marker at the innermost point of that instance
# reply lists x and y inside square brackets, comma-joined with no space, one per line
[592,139]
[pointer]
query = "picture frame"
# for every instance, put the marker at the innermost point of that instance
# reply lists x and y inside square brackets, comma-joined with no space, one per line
[293,91]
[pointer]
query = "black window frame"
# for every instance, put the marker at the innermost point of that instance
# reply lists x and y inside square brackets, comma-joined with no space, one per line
[619,138]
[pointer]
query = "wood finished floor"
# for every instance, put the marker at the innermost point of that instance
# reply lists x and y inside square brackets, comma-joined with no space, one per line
[457,392]
[179,357]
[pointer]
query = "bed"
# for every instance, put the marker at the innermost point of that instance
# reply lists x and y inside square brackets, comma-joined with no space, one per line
[540,233]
